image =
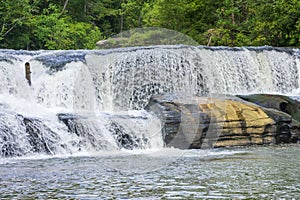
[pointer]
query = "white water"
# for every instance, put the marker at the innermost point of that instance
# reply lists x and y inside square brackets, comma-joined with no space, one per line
[107,86]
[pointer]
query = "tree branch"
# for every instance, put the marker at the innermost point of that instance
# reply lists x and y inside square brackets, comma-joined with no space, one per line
[65,6]
[11,28]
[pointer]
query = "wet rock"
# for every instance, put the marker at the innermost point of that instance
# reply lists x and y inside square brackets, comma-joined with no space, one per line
[123,138]
[70,120]
[41,138]
[295,132]
[21,135]
[91,131]
[202,122]
[288,131]
[87,130]
[8,139]
[184,125]
[279,102]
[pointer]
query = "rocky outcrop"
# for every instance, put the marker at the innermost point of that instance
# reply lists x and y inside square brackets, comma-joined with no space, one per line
[202,122]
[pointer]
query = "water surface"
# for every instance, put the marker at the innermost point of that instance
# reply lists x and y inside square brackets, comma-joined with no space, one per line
[248,173]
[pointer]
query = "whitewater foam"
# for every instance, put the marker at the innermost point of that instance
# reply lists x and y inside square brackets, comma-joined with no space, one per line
[111,87]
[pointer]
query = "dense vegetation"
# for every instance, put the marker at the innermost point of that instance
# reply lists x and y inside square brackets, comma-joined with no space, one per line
[74,24]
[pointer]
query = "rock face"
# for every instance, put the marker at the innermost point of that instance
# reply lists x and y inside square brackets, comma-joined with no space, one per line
[202,122]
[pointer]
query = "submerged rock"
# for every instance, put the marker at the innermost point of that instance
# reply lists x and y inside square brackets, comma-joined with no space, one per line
[202,122]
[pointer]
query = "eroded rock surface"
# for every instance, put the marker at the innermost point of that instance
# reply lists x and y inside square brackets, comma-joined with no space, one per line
[202,122]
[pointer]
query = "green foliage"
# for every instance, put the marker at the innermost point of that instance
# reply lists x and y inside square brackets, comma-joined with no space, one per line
[74,24]
[13,14]
[231,27]
[48,28]
[230,22]
[276,23]
[132,13]
[106,15]
[54,31]
[191,17]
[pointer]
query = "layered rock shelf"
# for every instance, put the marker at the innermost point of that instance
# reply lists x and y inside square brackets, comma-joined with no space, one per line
[223,121]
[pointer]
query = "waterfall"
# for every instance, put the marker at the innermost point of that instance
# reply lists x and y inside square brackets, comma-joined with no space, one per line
[93,100]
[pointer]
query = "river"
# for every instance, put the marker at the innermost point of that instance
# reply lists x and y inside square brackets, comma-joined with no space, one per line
[270,172]
[110,148]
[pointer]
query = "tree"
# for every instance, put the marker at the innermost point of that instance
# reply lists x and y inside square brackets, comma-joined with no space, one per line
[65,24]
[105,14]
[276,23]
[132,11]
[13,14]
[231,28]
[191,17]
[53,30]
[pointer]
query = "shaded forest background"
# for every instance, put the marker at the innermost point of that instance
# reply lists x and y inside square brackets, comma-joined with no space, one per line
[79,24]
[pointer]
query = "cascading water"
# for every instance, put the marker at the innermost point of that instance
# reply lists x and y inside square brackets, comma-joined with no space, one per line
[89,101]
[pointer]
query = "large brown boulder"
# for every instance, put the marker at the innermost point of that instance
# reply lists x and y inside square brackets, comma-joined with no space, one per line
[202,122]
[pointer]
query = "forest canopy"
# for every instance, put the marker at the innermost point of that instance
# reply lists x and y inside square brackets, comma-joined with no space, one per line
[79,24]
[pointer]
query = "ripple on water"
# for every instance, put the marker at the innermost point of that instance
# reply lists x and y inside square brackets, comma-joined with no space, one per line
[262,172]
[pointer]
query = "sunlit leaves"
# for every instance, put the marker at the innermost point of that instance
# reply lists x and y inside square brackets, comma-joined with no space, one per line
[54,31]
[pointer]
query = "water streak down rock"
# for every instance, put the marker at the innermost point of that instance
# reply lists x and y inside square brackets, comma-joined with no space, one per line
[92,131]
[204,122]
[21,135]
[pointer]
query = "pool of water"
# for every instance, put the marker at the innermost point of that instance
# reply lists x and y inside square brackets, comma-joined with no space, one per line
[246,173]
